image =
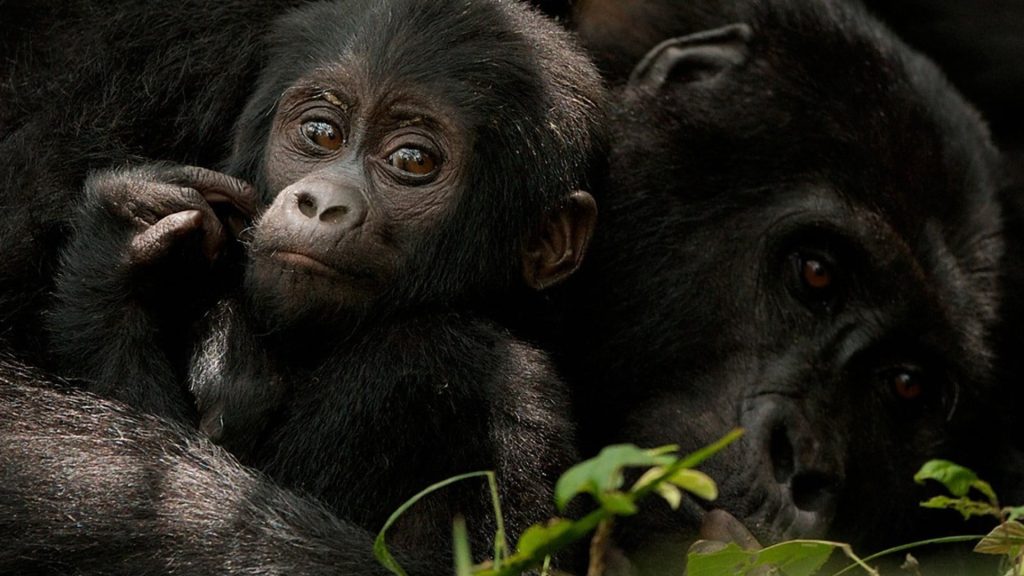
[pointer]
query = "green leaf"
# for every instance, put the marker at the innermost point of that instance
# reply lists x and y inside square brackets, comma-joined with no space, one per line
[717,559]
[695,458]
[1014,513]
[797,557]
[647,478]
[793,558]
[666,450]
[671,494]
[653,477]
[1006,539]
[695,482]
[603,473]
[540,541]
[617,503]
[538,536]
[380,547]
[460,546]
[957,479]
[986,489]
[965,506]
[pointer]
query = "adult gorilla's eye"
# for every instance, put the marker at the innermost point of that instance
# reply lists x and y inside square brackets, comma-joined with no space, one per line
[907,386]
[813,279]
[814,273]
[323,134]
[413,161]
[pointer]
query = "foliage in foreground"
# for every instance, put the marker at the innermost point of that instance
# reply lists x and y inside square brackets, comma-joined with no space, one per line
[669,476]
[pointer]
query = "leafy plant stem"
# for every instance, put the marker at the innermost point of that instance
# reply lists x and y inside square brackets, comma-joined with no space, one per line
[848,550]
[599,546]
[380,548]
[687,462]
[500,544]
[460,543]
[862,562]
[517,564]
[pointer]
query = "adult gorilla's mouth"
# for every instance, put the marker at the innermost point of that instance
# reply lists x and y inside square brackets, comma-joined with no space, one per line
[721,526]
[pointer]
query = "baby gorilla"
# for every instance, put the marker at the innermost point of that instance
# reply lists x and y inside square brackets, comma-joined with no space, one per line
[424,163]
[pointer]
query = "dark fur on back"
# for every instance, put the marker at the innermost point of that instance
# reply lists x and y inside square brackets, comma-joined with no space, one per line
[86,85]
[90,486]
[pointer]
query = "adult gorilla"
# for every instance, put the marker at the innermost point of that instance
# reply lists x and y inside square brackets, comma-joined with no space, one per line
[978,44]
[90,486]
[86,85]
[801,237]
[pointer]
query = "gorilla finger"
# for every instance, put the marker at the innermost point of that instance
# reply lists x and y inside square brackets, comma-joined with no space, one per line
[213,232]
[158,240]
[133,195]
[218,188]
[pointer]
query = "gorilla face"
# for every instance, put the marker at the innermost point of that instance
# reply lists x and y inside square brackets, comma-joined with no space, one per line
[800,239]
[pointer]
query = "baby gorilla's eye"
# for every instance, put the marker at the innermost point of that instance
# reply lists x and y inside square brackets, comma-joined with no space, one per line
[413,161]
[323,134]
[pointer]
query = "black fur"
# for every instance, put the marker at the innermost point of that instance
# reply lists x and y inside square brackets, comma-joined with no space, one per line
[814,138]
[977,44]
[90,486]
[362,405]
[87,85]
[1010,331]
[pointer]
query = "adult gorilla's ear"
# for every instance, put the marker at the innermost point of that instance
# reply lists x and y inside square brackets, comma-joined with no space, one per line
[556,250]
[693,58]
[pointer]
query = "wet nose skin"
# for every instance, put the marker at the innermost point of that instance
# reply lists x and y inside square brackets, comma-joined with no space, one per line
[800,459]
[323,203]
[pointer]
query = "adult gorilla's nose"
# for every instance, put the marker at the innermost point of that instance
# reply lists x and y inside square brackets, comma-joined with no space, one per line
[803,464]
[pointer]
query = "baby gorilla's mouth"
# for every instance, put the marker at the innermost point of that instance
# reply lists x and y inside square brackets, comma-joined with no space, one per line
[297,262]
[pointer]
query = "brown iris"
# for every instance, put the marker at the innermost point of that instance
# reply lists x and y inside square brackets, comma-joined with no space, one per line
[907,386]
[816,274]
[323,134]
[413,161]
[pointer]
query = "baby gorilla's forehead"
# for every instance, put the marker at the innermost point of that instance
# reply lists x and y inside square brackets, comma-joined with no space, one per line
[387,102]
[483,58]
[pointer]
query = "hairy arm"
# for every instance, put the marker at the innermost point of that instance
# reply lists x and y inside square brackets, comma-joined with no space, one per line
[138,270]
[90,486]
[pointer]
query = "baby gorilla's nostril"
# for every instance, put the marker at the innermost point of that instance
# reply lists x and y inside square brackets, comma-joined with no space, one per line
[306,204]
[334,214]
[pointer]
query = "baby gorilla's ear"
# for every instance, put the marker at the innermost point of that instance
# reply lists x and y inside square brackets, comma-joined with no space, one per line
[556,250]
